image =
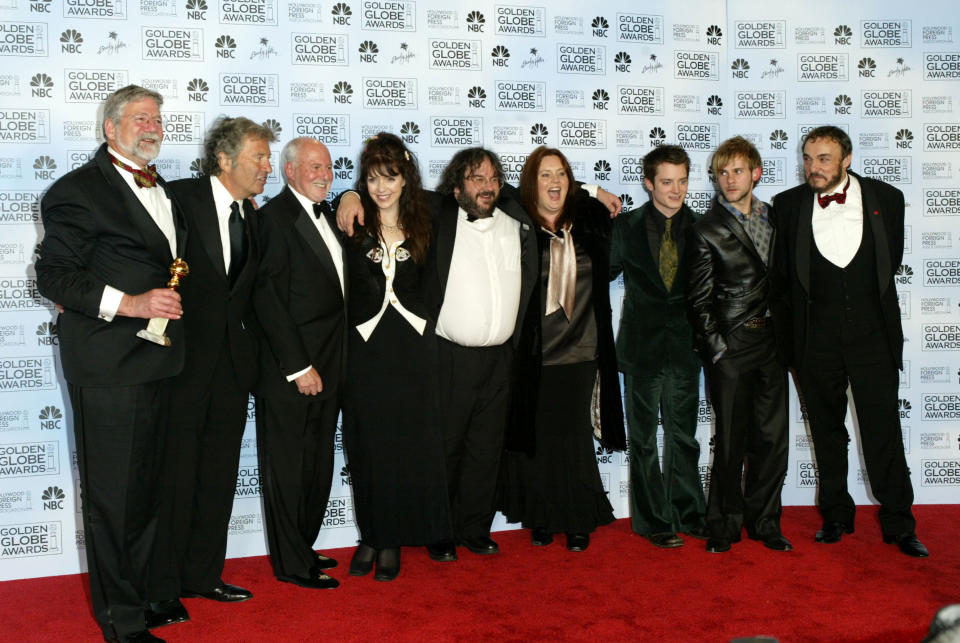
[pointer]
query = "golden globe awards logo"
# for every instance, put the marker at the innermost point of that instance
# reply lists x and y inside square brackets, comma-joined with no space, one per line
[582,133]
[760,104]
[95,9]
[891,169]
[339,512]
[823,67]
[30,539]
[183,128]
[163,43]
[249,89]
[248,482]
[78,158]
[318,49]
[248,12]
[760,34]
[699,201]
[941,407]
[512,20]
[940,473]
[581,59]
[885,33]
[388,15]
[29,459]
[23,39]
[450,131]
[941,272]
[941,202]
[699,65]
[639,28]
[389,93]
[941,66]
[774,171]
[330,129]
[462,55]
[20,293]
[19,207]
[697,136]
[808,476]
[93,85]
[512,166]
[520,96]
[941,137]
[941,337]
[888,103]
[633,99]
[631,170]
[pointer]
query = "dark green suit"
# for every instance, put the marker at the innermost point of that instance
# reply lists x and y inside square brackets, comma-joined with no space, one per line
[655,353]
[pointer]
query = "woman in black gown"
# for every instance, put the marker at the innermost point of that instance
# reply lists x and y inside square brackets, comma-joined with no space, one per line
[567,339]
[390,428]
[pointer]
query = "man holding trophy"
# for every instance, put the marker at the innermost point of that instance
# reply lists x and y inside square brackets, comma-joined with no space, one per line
[112,233]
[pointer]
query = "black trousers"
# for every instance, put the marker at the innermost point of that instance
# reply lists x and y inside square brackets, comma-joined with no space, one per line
[474,401]
[863,361]
[120,433]
[200,480]
[295,446]
[748,391]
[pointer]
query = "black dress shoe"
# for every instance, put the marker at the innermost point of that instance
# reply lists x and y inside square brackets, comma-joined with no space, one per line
[362,562]
[578,542]
[540,537]
[323,562]
[700,533]
[445,552]
[831,532]
[315,580]
[665,540]
[143,636]
[224,593]
[776,542]
[718,545]
[165,613]
[908,544]
[388,564]
[481,545]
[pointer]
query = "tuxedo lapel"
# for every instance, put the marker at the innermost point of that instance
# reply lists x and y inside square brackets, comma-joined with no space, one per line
[804,214]
[641,244]
[208,228]
[179,222]
[446,238]
[308,231]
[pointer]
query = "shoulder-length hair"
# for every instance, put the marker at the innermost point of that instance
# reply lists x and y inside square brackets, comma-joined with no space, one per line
[529,192]
[386,155]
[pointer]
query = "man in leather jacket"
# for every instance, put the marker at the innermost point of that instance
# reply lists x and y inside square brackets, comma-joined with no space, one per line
[734,309]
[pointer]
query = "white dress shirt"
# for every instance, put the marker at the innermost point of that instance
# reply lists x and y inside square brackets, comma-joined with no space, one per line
[388,263]
[837,228]
[482,297]
[221,202]
[158,206]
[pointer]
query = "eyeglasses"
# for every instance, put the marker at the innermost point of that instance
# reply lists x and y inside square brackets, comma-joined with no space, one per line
[482,181]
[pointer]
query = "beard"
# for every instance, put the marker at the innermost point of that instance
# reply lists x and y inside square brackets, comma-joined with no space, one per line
[824,181]
[472,207]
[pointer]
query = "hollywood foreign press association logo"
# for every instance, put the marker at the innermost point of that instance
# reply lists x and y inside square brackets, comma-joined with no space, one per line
[714,35]
[904,139]
[70,41]
[500,56]
[475,22]
[601,170]
[41,86]
[842,35]
[476,97]
[197,9]
[842,104]
[601,99]
[627,201]
[740,68]
[343,169]
[714,105]
[600,27]
[368,51]
[52,498]
[657,137]
[44,168]
[50,418]
[342,93]
[197,90]
[867,67]
[538,134]
[226,47]
[341,14]
[410,133]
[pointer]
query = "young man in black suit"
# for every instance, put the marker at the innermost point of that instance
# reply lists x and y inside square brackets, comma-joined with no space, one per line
[210,397]
[111,231]
[734,312]
[840,239]
[301,307]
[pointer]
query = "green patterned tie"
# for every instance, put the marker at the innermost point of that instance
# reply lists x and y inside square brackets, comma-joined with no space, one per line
[668,257]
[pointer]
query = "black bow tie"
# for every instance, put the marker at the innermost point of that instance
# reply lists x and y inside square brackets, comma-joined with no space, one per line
[320,209]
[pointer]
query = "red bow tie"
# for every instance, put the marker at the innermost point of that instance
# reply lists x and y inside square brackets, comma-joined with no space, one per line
[146,178]
[839,197]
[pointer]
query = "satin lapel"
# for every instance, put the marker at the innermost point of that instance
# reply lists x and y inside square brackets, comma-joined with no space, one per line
[734,225]
[153,237]
[804,238]
[873,216]
[528,246]
[446,237]
[205,221]
[308,230]
[179,222]
[332,222]
[641,244]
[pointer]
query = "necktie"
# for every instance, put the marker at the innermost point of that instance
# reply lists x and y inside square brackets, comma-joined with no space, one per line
[238,243]
[143,178]
[839,197]
[320,209]
[668,256]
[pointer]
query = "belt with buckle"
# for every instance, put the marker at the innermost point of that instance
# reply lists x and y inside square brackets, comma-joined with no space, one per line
[759,322]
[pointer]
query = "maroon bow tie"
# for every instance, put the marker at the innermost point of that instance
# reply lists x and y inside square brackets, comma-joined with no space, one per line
[146,178]
[840,197]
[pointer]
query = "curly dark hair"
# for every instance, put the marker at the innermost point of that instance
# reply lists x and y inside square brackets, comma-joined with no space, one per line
[529,192]
[385,154]
[465,161]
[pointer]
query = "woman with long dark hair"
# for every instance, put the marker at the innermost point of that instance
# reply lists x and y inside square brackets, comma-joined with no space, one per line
[566,347]
[390,426]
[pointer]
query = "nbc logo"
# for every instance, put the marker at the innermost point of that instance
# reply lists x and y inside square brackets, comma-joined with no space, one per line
[601,170]
[475,22]
[600,99]
[273,125]
[657,137]
[904,138]
[44,167]
[410,133]
[622,62]
[867,67]
[903,407]
[538,134]
[47,333]
[342,92]
[714,104]
[343,169]
[778,139]
[52,498]
[70,41]
[226,47]
[842,104]
[477,97]
[842,35]
[368,51]
[197,90]
[714,34]
[345,475]
[40,6]
[904,275]
[740,68]
[600,27]
[341,13]
[500,55]
[197,9]
[41,84]
[50,418]
[627,201]
[196,168]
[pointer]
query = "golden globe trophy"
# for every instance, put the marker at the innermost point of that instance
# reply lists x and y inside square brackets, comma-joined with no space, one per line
[156,328]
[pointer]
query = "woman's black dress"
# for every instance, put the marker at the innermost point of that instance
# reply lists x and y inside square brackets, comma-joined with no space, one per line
[391,431]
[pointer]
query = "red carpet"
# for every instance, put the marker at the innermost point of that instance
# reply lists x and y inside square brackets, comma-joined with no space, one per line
[621,588]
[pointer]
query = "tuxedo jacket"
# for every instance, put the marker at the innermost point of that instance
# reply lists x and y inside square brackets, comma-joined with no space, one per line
[215,314]
[727,281]
[300,306]
[446,211]
[654,327]
[883,211]
[97,233]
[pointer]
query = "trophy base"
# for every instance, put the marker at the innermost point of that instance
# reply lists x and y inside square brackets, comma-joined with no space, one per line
[162,340]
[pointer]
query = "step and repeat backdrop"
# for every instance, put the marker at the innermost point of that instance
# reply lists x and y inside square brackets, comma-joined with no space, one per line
[606,84]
